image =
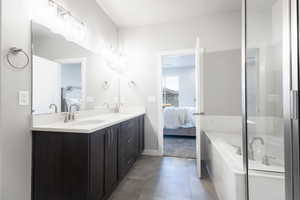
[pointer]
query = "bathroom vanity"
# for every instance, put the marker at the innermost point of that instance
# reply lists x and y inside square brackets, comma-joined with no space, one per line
[82,147]
[85,161]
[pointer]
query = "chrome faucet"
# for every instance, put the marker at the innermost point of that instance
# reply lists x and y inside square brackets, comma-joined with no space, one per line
[117,107]
[55,107]
[238,149]
[70,115]
[251,149]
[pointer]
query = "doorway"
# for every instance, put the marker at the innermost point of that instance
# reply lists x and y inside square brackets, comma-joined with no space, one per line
[73,83]
[178,94]
[62,80]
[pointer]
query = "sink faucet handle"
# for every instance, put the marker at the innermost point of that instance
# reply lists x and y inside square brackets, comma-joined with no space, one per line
[117,107]
[66,117]
[266,160]
[71,113]
[73,116]
[238,149]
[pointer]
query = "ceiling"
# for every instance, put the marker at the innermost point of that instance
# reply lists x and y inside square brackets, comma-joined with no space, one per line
[130,13]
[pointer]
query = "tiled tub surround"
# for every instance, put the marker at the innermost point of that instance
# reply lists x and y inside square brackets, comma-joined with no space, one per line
[270,129]
[272,126]
[225,168]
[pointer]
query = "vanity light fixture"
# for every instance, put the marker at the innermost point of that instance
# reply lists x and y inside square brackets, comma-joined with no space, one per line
[59,20]
[73,29]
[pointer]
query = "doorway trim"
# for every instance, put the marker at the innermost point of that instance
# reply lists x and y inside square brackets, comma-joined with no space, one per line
[160,128]
[82,61]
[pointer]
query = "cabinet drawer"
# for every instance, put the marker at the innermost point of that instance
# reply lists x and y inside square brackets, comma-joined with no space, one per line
[128,129]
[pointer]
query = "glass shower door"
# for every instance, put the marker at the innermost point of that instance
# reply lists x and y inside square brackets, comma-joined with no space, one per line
[264,114]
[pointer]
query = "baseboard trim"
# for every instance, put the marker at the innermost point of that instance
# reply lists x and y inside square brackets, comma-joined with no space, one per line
[151,152]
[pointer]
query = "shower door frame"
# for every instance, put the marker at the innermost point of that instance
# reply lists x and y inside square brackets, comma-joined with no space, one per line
[294,176]
[290,77]
[290,91]
[244,99]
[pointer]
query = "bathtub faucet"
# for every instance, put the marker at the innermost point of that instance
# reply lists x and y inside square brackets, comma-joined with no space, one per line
[251,149]
[238,149]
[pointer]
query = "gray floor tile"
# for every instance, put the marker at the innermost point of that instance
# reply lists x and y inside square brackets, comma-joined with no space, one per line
[164,178]
[184,147]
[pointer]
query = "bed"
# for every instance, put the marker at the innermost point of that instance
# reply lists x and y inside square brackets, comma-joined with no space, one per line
[179,121]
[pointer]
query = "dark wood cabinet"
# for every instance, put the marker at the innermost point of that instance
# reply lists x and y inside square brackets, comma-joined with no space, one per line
[60,166]
[97,165]
[128,145]
[141,135]
[111,159]
[80,166]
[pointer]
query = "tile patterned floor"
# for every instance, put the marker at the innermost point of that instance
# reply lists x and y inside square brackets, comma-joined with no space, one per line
[178,146]
[164,178]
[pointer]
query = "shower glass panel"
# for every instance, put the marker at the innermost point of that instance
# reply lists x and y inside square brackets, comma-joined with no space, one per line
[265,127]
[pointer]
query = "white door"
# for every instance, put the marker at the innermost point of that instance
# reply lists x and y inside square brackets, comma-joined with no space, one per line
[199,56]
[46,85]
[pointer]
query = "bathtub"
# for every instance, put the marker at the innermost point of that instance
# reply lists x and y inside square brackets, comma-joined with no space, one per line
[225,168]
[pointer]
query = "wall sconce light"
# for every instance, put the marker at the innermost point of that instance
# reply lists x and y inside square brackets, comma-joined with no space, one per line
[105,85]
[131,84]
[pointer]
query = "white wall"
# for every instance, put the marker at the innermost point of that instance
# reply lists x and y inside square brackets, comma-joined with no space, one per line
[222,83]
[187,84]
[15,120]
[15,136]
[143,44]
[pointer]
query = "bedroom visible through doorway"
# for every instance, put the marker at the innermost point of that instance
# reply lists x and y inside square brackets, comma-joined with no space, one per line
[178,95]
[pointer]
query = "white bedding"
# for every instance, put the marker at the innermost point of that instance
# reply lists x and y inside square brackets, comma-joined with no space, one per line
[179,117]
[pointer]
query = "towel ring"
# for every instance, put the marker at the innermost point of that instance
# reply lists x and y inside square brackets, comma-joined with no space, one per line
[15,51]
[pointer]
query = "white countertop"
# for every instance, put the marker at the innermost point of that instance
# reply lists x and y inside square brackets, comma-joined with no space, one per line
[87,124]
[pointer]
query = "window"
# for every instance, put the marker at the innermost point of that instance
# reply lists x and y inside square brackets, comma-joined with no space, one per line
[172,83]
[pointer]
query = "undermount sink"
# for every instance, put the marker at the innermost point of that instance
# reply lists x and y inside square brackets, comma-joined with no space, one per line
[88,122]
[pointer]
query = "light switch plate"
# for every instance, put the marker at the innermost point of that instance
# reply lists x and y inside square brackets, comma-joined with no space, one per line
[23,98]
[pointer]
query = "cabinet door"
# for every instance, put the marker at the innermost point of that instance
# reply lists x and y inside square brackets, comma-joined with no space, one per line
[111,159]
[128,146]
[60,166]
[134,139]
[141,134]
[97,158]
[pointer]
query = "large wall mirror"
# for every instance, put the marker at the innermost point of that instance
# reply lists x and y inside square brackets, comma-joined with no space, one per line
[59,72]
